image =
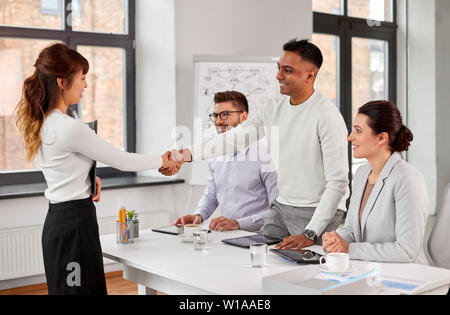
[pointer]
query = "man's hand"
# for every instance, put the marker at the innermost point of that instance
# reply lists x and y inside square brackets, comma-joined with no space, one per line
[224,224]
[182,156]
[169,167]
[188,219]
[295,242]
[334,243]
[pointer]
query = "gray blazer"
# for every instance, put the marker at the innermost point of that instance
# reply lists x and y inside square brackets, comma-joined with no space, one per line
[393,221]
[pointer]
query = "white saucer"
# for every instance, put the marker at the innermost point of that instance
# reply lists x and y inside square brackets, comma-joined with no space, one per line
[186,239]
[324,268]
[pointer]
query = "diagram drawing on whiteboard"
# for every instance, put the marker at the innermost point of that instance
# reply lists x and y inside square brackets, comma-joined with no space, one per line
[255,77]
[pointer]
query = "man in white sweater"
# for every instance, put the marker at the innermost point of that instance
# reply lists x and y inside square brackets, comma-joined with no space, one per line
[313,161]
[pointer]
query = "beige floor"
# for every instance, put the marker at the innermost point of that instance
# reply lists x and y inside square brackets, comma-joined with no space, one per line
[115,285]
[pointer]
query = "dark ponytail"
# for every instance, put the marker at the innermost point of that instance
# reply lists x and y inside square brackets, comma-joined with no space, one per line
[384,116]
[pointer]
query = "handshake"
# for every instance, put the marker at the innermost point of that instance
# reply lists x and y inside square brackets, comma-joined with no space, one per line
[173,160]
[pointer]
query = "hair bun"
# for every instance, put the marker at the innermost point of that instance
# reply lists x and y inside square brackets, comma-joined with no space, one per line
[403,139]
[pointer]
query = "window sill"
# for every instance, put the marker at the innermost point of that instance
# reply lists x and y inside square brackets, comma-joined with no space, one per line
[34,190]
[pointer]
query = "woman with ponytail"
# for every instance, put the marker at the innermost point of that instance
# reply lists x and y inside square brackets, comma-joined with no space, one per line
[65,149]
[389,205]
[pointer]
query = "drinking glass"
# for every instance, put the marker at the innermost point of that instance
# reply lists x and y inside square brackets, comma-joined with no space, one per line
[200,239]
[258,255]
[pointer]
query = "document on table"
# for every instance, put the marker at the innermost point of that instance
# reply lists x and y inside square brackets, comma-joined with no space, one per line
[316,249]
[357,282]
[402,286]
[388,284]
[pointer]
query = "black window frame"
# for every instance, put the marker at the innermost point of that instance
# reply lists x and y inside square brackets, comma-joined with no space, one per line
[346,27]
[73,39]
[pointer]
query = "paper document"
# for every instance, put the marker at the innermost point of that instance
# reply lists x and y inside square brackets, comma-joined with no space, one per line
[358,282]
[316,249]
[400,285]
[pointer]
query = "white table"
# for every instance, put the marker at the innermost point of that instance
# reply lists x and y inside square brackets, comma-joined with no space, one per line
[162,262]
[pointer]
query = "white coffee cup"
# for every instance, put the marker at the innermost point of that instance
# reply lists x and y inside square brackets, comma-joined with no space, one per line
[336,261]
[189,230]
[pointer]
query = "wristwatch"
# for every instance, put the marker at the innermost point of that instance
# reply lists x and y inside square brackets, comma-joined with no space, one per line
[311,235]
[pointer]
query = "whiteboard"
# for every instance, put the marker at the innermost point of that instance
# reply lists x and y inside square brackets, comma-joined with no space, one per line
[255,77]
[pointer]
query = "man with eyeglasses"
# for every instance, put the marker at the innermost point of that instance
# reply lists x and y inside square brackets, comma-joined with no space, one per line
[243,184]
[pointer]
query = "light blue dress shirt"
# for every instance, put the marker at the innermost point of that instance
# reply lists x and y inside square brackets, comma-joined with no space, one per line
[243,184]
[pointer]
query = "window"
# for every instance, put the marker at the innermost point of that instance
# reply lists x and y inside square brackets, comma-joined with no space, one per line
[327,79]
[100,16]
[369,71]
[328,6]
[45,14]
[378,10]
[358,37]
[51,7]
[16,61]
[106,74]
[103,32]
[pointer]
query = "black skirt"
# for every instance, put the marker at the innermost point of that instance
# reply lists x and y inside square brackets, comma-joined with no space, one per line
[72,252]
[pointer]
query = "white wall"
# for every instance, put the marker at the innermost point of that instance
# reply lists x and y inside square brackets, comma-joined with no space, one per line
[231,27]
[26,212]
[402,58]
[422,91]
[443,96]
[155,76]
[428,93]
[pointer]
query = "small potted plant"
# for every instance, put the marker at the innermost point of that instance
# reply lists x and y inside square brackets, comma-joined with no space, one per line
[133,216]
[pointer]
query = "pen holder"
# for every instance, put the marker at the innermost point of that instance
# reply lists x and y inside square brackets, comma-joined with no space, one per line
[124,232]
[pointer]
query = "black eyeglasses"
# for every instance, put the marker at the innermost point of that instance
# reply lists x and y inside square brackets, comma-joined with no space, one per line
[223,115]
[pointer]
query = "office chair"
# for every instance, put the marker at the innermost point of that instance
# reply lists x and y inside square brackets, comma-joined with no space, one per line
[439,241]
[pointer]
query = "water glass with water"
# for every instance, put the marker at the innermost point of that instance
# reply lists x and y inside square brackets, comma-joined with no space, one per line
[258,255]
[200,239]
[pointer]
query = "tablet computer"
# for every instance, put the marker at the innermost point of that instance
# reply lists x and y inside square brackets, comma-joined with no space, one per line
[298,257]
[174,230]
[246,241]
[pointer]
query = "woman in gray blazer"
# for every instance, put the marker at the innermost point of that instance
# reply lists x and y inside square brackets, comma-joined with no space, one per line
[388,207]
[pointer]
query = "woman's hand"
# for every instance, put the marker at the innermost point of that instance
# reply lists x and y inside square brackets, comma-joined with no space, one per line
[98,184]
[333,243]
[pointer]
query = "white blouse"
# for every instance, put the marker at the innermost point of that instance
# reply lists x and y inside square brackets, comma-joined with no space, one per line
[67,152]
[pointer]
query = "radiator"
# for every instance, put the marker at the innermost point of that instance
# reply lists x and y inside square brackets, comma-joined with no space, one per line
[21,253]
[21,248]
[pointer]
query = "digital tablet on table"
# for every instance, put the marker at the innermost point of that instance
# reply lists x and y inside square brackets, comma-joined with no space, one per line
[246,241]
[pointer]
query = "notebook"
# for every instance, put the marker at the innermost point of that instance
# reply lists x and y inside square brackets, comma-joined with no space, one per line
[299,257]
[93,171]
